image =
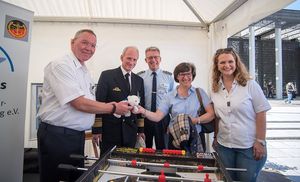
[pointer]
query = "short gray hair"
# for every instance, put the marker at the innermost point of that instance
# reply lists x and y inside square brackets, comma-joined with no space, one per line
[82,31]
[152,48]
[128,47]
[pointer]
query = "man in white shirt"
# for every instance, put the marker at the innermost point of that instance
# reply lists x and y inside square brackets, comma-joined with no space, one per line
[68,109]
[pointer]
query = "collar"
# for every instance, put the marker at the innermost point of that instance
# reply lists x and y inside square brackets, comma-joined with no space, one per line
[124,71]
[192,89]
[157,71]
[221,83]
[149,72]
[76,62]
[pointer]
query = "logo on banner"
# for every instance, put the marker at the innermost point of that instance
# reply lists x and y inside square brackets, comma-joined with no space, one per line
[5,57]
[16,28]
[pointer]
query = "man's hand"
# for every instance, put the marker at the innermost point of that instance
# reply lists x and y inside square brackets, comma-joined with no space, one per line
[96,139]
[122,107]
[140,110]
[215,144]
[142,135]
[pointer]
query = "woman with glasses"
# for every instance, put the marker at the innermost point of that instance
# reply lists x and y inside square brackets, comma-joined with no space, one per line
[183,100]
[240,106]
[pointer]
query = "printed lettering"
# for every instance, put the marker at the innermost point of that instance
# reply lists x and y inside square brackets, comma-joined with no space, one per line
[3,85]
[2,103]
[15,111]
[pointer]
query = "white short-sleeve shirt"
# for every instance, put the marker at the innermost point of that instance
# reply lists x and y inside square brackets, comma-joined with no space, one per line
[66,79]
[237,112]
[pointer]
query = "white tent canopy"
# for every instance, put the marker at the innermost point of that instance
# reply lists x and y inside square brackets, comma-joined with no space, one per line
[200,12]
[226,16]
[168,10]
[184,30]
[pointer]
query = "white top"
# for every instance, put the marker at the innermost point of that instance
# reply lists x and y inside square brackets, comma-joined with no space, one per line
[66,79]
[237,112]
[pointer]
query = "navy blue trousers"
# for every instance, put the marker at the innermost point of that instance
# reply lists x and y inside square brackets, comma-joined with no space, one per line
[55,144]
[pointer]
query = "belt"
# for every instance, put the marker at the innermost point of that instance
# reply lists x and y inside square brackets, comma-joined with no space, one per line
[59,129]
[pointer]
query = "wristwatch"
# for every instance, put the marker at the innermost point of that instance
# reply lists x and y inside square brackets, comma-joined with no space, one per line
[262,142]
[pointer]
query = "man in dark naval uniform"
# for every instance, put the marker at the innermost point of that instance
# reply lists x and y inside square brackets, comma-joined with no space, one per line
[113,86]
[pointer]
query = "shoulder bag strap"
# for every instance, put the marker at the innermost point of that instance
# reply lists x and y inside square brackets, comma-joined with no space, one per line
[200,100]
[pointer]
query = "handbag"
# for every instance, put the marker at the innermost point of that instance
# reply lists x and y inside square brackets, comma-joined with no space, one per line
[205,127]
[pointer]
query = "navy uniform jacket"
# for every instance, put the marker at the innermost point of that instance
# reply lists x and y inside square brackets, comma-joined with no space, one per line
[121,131]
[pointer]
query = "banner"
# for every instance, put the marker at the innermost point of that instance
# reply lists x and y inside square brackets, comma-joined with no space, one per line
[15,29]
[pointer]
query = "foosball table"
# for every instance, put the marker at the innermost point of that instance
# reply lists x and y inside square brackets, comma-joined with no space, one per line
[145,164]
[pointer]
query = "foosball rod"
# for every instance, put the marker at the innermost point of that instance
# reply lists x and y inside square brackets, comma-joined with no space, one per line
[77,156]
[200,167]
[169,178]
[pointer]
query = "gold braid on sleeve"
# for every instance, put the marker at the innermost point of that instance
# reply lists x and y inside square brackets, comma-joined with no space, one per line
[140,122]
[98,122]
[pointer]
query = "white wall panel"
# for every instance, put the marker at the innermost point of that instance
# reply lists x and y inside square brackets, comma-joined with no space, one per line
[177,44]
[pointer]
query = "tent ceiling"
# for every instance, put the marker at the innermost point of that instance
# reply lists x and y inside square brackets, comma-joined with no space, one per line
[201,12]
[287,20]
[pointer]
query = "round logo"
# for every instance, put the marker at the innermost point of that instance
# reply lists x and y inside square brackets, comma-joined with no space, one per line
[16,29]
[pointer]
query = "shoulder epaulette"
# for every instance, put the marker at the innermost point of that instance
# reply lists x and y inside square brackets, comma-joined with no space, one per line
[167,72]
[141,72]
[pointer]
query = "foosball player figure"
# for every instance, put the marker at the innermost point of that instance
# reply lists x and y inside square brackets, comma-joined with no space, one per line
[147,150]
[174,152]
[162,177]
[206,179]
[133,163]
[200,168]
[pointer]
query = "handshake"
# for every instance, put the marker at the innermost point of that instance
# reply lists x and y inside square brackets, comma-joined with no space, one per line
[133,101]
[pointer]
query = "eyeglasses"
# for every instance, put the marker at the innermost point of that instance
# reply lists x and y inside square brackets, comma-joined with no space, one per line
[153,57]
[188,74]
[86,44]
[225,50]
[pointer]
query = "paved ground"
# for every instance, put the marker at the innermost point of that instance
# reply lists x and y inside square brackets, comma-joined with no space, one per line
[283,138]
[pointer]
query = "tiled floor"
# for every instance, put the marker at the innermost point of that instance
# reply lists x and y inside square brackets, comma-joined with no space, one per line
[284,144]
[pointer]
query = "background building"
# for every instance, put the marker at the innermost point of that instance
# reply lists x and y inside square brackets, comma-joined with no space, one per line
[265,65]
